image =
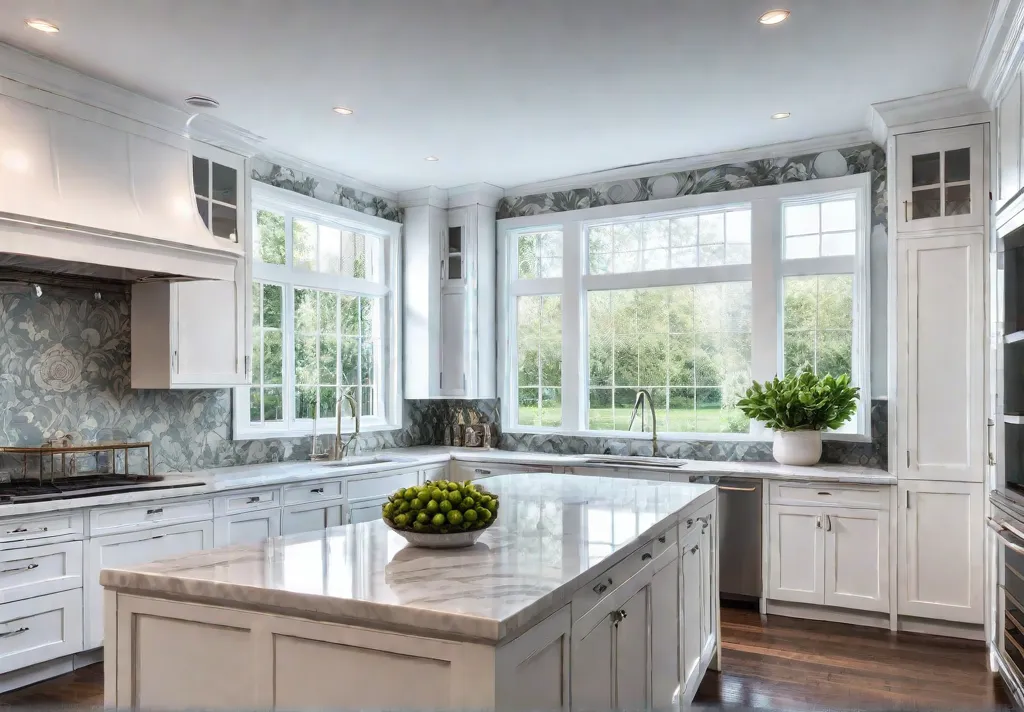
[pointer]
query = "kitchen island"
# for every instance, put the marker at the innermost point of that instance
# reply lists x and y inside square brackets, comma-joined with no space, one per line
[587,593]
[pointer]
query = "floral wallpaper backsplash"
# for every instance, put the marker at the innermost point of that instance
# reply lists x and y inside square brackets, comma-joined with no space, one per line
[290,179]
[65,369]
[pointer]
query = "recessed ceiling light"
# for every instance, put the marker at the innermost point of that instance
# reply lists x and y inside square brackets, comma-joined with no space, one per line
[431,158]
[773,17]
[344,111]
[42,25]
[781,115]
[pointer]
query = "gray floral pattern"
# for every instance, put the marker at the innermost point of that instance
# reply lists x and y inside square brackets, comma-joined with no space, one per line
[770,171]
[290,179]
[65,369]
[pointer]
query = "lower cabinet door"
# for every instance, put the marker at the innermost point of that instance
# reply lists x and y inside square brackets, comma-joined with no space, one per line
[593,690]
[365,511]
[134,548]
[857,559]
[941,548]
[665,629]
[690,615]
[795,556]
[247,527]
[311,517]
[38,629]
[631,653]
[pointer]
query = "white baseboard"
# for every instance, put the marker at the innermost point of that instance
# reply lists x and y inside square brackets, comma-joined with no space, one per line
[965,631]
[906,624]
[49,669]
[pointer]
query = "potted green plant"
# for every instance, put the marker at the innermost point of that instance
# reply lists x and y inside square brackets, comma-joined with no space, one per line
[798,407]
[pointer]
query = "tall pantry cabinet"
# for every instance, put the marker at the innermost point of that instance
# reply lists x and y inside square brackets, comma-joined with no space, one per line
[940,215]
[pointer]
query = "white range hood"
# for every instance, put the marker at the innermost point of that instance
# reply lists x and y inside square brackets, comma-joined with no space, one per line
[101,196]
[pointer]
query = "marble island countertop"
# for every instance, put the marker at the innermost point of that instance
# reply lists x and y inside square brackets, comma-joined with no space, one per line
[553,535]
[225,479]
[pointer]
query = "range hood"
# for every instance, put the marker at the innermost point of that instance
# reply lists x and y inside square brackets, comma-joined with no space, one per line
[106,198]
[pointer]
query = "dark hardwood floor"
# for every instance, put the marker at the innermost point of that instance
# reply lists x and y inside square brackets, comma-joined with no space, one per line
[782,664]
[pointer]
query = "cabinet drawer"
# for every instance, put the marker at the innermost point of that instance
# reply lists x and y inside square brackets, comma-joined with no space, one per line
[39,629]
[381,485]
[868,496]
[39,570]
[68,525]
[312,492]
[601,587]
[246,501]
[466,470]
[154,514]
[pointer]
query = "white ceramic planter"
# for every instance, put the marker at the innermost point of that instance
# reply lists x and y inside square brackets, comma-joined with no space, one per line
[797,447]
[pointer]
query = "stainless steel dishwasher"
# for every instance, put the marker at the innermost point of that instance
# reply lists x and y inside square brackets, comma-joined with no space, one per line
[739,537]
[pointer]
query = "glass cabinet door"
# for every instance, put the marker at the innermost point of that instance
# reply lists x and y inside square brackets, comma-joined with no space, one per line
[940,179]
[216,188]
[454,255]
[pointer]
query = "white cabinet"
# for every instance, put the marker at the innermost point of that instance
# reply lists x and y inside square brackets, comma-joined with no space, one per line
[365,511]
[940,179]
[133,548]
[1008,144]
[462,470]
[665,664]
[831,556]
[312,517]
[691,637]
[632,651]
[941,361]
[39,629]
[449,299]
[592,650]
[941,549]
[247,527]
[193,334]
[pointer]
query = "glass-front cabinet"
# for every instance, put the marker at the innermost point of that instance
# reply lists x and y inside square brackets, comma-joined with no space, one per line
[940,179]
[217,188]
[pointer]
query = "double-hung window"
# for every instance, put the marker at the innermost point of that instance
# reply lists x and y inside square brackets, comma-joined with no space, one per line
[688,299]
[324,319]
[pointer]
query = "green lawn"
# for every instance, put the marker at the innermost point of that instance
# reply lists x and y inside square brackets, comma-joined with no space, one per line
[703,420]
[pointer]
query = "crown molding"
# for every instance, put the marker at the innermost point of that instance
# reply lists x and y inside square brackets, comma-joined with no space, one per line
[889,117]
[1001,51]
[709,160]
[475,194]
[317,171]
[419,197]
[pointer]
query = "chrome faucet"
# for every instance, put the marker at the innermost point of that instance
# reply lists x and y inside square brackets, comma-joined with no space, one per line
[644,396]
[340,449]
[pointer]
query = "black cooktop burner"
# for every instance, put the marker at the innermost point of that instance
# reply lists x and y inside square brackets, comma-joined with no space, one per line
[28,490]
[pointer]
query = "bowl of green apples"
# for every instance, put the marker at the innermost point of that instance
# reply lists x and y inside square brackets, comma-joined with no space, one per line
[441,514]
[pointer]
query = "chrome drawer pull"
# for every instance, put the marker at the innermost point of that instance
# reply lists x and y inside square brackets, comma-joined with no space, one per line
[601,588]
[645,557]
[661,540]
[317,490]
[689,523]
[12,633]
[824,494]
[20,568]
[726,488]
[158,510]
[252,500]
[482,472]
[22,530]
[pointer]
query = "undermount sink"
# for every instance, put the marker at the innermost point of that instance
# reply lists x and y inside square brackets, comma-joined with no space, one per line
[360,461]
[633,461]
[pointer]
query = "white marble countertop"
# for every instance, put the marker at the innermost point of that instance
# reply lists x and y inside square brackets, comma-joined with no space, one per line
[225,479]
[553,534]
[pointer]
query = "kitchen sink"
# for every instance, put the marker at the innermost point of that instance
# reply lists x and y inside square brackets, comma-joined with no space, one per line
[632,461]
[358,461]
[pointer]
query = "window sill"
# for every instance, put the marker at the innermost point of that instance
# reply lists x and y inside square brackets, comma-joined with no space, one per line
[244,433]
[678,437]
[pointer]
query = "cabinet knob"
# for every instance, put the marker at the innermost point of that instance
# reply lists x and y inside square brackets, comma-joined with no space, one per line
[661,540]
[252,500]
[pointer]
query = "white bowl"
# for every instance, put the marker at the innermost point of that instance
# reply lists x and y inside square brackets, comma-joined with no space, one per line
[427,540]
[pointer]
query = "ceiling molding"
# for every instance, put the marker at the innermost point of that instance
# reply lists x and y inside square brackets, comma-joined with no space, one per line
[887,117]
[317,171]
[418,197]
[475,194]
[1000,52]
[644,170]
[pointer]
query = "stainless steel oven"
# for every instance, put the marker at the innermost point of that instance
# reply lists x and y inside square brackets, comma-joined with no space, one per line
[1007,521]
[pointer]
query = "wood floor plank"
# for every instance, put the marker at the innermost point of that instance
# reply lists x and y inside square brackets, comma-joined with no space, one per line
[778,663]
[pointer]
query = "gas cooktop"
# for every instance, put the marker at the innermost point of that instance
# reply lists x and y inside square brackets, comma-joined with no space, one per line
[29,490]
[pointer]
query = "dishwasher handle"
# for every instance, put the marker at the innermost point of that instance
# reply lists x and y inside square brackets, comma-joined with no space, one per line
[730,488]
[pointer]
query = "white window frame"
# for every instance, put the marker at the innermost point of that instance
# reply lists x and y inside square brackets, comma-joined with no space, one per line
[296,205]
[765,272]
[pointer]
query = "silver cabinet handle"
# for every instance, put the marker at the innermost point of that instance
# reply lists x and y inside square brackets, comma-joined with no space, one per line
[601,587]
[828,522]
[12,633]
[661,539]
[23,530]
[694,549]
[317,490]
[824,494]
[482,472]
[252,500]
[158,510]
[689,523]
[818,521]
[645,557]
[31,566]
[727,488]
[1001,528]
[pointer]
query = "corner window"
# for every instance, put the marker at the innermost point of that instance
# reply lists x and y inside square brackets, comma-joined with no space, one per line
[688,302]
[324,321]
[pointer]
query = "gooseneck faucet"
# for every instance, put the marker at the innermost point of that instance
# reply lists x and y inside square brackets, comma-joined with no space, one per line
[342,449]
[644,396]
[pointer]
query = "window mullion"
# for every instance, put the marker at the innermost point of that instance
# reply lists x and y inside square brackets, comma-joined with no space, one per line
[575,371]
[766,301]
[288,354]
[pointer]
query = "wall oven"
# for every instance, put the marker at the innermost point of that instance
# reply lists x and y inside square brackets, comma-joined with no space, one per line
[1007,521]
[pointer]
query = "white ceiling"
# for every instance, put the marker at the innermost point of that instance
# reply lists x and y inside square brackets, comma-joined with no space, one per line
[513,91]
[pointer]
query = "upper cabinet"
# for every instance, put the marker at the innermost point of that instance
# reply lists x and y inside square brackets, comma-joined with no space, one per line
[449,301]
[1008,145]
[192,334]
[940,179]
